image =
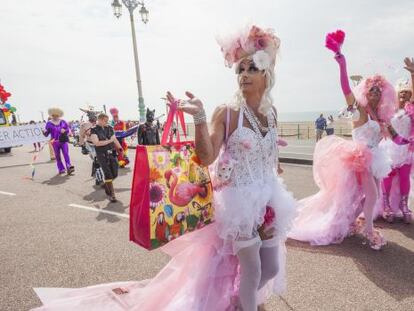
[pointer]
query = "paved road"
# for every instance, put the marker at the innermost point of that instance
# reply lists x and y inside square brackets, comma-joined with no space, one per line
[298,149]
[45,241]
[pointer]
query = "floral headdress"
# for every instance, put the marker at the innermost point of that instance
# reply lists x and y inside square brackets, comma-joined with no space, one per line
[261,44]
[388,96]
[403,85]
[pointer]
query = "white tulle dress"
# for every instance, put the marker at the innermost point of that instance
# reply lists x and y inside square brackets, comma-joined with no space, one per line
[202,274]
[400,155]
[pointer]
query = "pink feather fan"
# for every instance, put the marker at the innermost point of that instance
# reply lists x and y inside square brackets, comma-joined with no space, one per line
[334,40]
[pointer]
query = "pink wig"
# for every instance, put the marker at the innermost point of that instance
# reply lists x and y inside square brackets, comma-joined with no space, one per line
[386,107]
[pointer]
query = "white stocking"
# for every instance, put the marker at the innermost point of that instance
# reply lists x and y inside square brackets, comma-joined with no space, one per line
[250,271]
[269,260]
[371,195]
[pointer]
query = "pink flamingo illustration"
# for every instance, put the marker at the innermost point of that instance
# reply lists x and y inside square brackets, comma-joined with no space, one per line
[182,194]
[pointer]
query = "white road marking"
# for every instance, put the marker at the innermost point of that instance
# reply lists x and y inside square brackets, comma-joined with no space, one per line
[299,146]
[7,193]
[99,210]
[301,153]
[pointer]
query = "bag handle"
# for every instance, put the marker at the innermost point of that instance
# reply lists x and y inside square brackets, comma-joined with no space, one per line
[173,113]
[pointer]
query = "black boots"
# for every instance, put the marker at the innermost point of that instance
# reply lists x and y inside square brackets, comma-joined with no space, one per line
[110,192]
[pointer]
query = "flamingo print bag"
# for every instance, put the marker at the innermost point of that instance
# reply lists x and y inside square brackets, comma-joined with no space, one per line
[171,192]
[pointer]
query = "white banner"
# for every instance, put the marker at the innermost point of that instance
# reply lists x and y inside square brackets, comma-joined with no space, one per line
[21,135]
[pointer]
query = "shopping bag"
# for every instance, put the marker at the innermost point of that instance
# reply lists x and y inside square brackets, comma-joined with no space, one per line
[171,192]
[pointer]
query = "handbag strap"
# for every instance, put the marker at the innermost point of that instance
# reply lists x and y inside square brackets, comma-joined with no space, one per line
[227,130]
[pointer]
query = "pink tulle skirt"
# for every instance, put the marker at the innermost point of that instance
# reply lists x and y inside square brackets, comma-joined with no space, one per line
[327,217]
[200,276]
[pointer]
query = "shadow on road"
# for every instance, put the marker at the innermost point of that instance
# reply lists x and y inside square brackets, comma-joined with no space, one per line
[56,180]
[407,230]
[119,190]
[117,207]
[97,195]
[390,269]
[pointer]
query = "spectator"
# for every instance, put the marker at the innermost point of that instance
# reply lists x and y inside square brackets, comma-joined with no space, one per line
[320,125]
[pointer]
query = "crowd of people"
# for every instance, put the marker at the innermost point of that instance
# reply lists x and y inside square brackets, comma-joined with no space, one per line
[103,140]
[241,257]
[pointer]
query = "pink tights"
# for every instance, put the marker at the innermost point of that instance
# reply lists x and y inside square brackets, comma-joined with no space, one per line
[404,173]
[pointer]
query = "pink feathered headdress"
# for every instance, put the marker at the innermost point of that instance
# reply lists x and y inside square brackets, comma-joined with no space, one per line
[260,43]
[388,99]
[114,111]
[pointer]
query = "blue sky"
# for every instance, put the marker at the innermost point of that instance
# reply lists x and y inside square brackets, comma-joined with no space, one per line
[68,53]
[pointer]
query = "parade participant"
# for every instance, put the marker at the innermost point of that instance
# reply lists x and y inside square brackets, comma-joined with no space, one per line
[103,137]
[35,145]
[148,133]
[59,131]
[395,199]
[254,210]
[348,173]
[118,126]
[88,147]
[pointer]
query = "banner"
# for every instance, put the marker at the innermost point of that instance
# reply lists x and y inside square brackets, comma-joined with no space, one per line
[11,136]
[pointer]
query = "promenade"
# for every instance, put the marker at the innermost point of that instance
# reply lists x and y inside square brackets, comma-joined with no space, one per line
[61,232]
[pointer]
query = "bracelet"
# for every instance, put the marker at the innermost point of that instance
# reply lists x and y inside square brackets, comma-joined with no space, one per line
[200,117]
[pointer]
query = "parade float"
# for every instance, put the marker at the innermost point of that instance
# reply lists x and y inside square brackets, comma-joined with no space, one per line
[7,116]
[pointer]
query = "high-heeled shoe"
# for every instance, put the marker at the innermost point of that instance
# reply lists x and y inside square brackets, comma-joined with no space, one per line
[388,214]
[407,214]
[375,239]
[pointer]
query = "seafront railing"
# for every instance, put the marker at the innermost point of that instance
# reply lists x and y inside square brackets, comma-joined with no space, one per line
[291,130]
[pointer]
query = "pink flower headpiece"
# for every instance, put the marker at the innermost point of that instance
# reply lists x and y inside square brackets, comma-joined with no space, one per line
[403,85]
[388,99]
[251,41]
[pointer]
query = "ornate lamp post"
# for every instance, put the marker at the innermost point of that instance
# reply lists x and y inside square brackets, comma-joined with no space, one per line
[131,5]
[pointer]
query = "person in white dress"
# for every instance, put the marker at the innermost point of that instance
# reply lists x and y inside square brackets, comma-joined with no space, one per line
[237,262]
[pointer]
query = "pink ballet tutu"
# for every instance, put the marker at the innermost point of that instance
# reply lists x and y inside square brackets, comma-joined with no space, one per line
[399,154]
[326,217]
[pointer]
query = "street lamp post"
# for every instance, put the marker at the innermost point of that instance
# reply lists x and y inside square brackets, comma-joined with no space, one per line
[131,5]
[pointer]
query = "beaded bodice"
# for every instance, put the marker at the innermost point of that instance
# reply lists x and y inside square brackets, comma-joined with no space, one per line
[255,155]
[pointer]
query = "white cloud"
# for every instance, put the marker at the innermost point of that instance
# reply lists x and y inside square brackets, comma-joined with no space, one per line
[67,53]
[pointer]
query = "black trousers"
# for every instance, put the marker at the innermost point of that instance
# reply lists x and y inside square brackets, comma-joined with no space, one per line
[109,164]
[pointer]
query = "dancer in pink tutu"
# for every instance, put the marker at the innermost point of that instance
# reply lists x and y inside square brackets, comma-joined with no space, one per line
[348,173]
[396,187]
[237,262]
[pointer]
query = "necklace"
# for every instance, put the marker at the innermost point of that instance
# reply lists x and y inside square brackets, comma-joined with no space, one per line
[254,120]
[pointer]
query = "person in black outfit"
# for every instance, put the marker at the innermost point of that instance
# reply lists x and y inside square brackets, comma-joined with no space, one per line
[103,137]
[148,132]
